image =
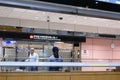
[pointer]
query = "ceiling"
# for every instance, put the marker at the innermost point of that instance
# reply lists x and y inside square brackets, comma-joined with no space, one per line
[28,14]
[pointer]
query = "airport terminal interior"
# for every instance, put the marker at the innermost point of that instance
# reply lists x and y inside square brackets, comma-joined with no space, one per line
[86,33]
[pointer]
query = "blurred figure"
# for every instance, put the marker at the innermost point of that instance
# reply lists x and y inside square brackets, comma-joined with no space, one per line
[22,67]
[33,57]
[55,58]
[68,69]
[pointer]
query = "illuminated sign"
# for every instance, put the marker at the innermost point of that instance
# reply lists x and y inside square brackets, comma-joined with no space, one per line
[111,1]
[44,37]
[11,28]
[8,43]
[31,36]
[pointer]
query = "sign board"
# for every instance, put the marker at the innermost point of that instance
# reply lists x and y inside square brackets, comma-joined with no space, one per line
[44,37]
[84,52]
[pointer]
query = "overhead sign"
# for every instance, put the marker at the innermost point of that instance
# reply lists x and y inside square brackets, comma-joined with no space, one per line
[44,37]
[32,36]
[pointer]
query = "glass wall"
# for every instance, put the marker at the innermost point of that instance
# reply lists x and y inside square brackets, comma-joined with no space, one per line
[18,51]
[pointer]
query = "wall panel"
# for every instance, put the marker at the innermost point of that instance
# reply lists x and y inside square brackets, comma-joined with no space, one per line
[103,44]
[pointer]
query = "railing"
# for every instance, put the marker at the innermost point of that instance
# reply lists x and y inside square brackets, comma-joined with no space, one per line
[69,64]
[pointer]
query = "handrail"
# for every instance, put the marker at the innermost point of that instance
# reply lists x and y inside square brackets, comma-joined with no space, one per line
[75,64]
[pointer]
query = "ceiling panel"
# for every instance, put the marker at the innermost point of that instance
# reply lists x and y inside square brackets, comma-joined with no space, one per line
[41,15]
[29,14]
[5,11]
[16,13]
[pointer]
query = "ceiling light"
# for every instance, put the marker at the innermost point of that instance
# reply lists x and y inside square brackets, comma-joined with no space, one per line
[96,2]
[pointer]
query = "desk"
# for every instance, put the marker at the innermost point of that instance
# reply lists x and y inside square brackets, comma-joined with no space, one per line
[59,75]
